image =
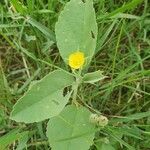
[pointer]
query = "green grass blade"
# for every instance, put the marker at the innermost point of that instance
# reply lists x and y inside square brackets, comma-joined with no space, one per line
[102,40]
[128,6]
[129,118]
[48,33]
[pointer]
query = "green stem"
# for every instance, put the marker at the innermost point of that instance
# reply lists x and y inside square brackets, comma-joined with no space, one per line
[75,94]
[75,89]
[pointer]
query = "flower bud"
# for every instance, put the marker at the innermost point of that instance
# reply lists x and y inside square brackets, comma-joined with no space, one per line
[99,120]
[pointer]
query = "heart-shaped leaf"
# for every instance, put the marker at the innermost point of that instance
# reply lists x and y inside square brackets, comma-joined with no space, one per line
[71,129]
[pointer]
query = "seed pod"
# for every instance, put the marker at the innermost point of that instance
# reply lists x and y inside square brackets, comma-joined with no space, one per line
[99,120]
[93,118]
[102,121]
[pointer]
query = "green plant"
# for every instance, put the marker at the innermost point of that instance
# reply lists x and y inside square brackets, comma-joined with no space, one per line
[71,123]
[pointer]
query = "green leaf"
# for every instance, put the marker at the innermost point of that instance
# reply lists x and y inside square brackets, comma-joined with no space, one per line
[44,98]
[19,7]
[48,33]
[132,117]
[105,35]
[5,94]
[116,137]
[10,137]
[22,143]
[127,16]
[129,6]
[93,77]
[71,130]
[104,146]
[76,29]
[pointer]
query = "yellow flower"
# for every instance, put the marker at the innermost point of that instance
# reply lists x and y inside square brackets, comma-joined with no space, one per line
[76,60]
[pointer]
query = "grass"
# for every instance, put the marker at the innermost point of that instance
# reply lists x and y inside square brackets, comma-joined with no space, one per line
[28,52]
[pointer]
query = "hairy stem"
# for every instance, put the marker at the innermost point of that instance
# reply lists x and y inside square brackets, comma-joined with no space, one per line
[75,87]
[75,91]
